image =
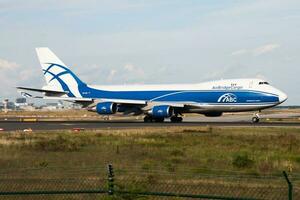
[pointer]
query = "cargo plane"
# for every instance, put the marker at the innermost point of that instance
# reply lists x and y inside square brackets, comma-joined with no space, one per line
[156,102]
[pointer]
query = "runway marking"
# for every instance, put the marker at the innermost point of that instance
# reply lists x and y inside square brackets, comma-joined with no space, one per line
[68,124]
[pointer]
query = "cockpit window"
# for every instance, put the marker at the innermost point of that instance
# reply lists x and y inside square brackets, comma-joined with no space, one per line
[263,83]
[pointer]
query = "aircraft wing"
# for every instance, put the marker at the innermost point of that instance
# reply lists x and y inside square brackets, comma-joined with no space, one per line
[97,100]
[58,95]
[124,101]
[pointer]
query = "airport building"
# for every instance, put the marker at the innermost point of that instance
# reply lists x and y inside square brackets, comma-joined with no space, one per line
[23,104]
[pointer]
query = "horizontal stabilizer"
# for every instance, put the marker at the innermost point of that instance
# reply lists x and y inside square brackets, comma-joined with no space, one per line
[26,95]
[42,90]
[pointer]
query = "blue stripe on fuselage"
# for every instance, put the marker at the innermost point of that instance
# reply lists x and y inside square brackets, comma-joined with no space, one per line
[199,96]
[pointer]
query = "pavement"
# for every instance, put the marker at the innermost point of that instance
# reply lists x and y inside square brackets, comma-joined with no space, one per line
[235,120]
[82,125]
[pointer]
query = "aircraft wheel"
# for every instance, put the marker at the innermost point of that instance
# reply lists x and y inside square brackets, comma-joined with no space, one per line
[180,119]
[147,119]
[255,119]
[159,119]
[175,119]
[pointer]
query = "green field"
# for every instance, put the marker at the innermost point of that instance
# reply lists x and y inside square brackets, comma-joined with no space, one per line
[241,162]
[248,150]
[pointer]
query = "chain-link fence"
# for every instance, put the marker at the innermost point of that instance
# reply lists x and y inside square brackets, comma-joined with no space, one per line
[129,184]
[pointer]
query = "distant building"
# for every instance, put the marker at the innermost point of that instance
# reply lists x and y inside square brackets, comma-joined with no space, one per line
[11,105]
[21,102]
[50,106]
[29,107]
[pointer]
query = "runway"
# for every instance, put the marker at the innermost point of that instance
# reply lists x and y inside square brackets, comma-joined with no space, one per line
[70,125]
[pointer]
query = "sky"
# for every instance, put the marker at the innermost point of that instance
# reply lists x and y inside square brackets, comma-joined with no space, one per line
[108,42]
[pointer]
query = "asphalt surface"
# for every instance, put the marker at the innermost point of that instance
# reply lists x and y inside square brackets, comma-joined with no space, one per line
[70,125]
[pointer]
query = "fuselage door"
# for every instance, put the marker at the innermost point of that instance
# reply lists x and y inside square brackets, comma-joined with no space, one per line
[250,84]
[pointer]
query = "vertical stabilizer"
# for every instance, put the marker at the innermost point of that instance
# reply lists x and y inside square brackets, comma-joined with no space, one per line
[57,74]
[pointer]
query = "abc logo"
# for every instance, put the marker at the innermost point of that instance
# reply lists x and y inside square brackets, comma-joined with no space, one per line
[228,98]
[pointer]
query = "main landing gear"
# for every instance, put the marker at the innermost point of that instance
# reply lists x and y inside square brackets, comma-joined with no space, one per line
[174,119]
[255,118]
[148,118]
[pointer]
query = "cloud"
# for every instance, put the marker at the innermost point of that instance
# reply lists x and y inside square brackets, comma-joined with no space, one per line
[133,74]
[77,7]
[112,74]
[265,49]
[257,51]
[247,8]
[25,76]
[192,37]
[129,67]
[5,64]
[239,52]
[125,74]
[261,76]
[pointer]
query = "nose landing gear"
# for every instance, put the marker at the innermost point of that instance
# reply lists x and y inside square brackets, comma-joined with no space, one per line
[255,118]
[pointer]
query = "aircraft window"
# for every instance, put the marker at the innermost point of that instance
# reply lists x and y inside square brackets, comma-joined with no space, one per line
[263,83]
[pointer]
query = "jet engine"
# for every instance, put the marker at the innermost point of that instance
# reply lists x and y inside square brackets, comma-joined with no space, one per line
[162,111]
[106,108]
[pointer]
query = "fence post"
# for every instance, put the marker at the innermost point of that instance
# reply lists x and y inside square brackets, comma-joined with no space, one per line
[290,185]
[110,179]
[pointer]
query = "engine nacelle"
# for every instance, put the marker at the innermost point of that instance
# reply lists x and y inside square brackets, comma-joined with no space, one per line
[213,114]
[162,111]
[106,108]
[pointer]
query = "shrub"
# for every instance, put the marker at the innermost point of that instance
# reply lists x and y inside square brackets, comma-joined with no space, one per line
[151,179]
[265,167]
[147,164]
[170,167]
[207,129]
[60,143]
[43,164]
[131,187]
[177,152]
[242,161]
[175,160]
[296,159]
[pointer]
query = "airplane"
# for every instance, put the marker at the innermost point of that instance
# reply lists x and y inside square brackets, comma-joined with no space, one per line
[155,102]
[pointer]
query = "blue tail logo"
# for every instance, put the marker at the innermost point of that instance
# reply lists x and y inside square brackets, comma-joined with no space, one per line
[70,82]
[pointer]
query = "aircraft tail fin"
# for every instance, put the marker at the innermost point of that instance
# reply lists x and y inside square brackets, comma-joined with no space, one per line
[58,76]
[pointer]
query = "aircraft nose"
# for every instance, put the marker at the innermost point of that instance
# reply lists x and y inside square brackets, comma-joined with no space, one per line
[282,97]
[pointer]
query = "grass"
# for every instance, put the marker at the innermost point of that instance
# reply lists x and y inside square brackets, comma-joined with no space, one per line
[184,160]
[249,150]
